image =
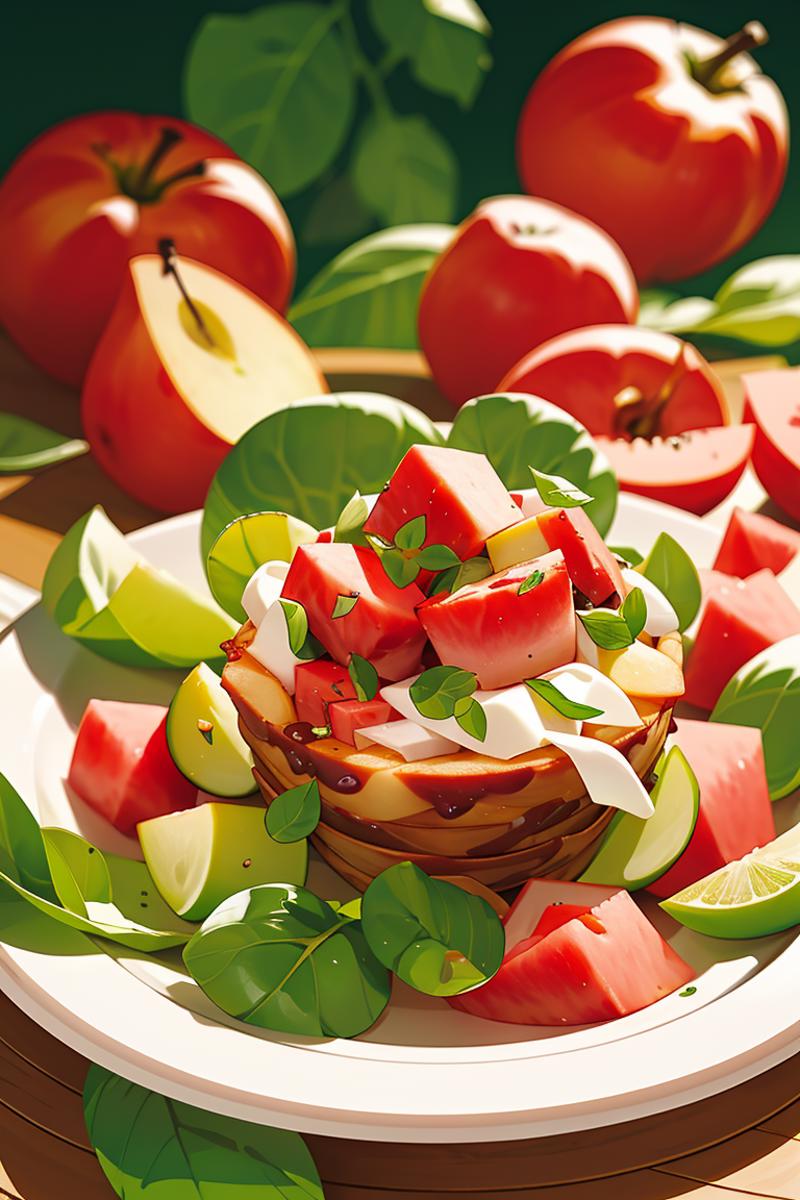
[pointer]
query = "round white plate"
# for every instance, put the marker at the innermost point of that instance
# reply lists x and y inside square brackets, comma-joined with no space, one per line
[424,1072]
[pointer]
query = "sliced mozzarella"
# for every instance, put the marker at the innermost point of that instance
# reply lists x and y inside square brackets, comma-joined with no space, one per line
[661,616]
[263,588]
[586,649]
[411,741]
[607,775]
[271,646]
[585,684]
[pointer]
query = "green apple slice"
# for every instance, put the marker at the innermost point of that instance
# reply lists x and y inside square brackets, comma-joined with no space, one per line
[636,852]
[201,856]
[751,897]
[203,736]
[104,594]
[244,545]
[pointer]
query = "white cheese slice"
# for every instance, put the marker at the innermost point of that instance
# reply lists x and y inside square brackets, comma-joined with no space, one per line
[408,739]
[607,775]
[263,588]
[271,646]
[661,616]
[584,684]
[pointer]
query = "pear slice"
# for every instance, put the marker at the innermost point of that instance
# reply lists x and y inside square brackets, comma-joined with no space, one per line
[204,739]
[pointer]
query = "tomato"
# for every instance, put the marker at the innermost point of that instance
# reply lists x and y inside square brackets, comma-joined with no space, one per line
[121,765]
[518,272]
[592,567]
[501,635]
[381,625]
[772,402]
[318,684]
[753,541]
[93,192]
[667,136]
[346,716]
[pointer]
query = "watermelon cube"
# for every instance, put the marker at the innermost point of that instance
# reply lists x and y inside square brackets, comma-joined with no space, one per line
[752,542]
[459,493]
[735,813]
[603,961]
[346,716]
[318,684]
[381,625]
[121,765]
[736,623]
[592,567]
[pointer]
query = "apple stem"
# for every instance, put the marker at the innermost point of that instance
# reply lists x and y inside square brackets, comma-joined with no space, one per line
[166,248]
[647,424]
[749,36]
[169,138]
[191,172]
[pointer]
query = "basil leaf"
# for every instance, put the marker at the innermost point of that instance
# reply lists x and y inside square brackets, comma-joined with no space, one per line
[628,554]
[532,581]
[472,570]
[243,546]
[634,611]
[559,492]
[26,446]
[436,937]
[344,605]
[671,569]
[151,1147]
[411,535]
[606,628]
[548,691]
[401,570]
[437,558]
[22,852]
[364,677]
[295,814]
[434,693]
[471,717]
[78,869]
[301,642]
[279,958]
[350,523]
[321,731]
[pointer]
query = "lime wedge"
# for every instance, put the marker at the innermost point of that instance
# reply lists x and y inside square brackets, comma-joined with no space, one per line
[244,545]
[754,896]
[634,851]
[201,856]
[203,736]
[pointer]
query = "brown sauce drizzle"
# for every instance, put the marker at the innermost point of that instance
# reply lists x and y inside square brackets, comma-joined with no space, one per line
[454,795]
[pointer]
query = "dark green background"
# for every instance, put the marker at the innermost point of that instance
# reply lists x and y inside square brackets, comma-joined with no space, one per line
[62,59]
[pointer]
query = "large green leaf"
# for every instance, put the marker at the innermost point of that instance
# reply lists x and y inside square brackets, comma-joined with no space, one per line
[276,85]
[517,431]
[404,170]
[445,42]
[26,446]
[310,458]
[22,853]
[368,295]
[765,693]
[278,957]
[159,1149]
[673,572]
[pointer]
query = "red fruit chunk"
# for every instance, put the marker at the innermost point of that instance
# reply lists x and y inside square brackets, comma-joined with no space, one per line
[772,402]
[489,628]
[737,622]
[753,541]
[381,626]
[592,567]
[318,684]
[326,535]
[735,813]
[346,716]
[121,765]
[459,493]
[605,962]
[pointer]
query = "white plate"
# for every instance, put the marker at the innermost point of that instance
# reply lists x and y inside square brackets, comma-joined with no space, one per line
[424,1073]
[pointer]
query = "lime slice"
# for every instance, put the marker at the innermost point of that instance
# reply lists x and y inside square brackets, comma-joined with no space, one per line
[244,545]
[203,736]
[201,856]
[634,851]
[754,896]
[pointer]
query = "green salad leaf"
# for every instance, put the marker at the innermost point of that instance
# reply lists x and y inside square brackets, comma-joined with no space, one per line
[518,432]
[309,459]
[278,957]
[302,642]
[530,582]
[671,569]
[154,1148]
[628,553]
[607,628]
[765,693]
[436,937]
[23,857]
[472,570]
[547,690]
[245,545]
[350,522]
[364,677]
[559,492]
[78,870]
[411,535]
[294,814]
[634,611]
[26,446]
[436,691]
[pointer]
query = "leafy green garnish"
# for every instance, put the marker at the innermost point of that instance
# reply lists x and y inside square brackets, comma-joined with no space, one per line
[294,814]
[607,628]
[301,642]
[634,611]
[401,570]
[628,554]
[363,676]
[350,522]
[404,558]
[26,446]
[78,870]
[437,558]
[559,492]
[548,691]
[436,691]
[532,581]
[22,852]
[470,717]
[671,569]
[344,605]
[411,535]
[436,937]
[472,570]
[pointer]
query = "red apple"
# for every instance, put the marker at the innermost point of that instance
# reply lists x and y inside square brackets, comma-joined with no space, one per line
[772,402]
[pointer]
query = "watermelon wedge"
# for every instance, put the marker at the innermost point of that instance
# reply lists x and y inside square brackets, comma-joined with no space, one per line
[772,403]
[735,813]
[695,470]
[753,541]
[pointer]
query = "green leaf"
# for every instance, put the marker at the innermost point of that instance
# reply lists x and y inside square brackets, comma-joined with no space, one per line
[401,570]
[310,458]
[434,693]
[606,628]
[404,170]
[276,85]
[670,312]
[350,522]
[671,569]
[532,581]
[344,605]
[559,492]
[472,570]
[295,814]
[548,691]
[634,611]
[301,642]
[78,870]
[337,215]
[243,546]
[411,535]
[22,853]
[471,718]
[436,937]
[321,731]
[364,677]
[279,958]
[153,1148]
[628,554]
[437,558]
[516,431]
[26,446]
[765,693]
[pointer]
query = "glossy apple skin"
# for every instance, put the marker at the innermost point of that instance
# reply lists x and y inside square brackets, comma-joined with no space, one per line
[67,229]
[772,402]
[518,272]
[617,128]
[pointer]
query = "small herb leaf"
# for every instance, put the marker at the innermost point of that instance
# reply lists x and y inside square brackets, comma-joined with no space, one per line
[559,492]
[606,628]
[295,814]
[350,523]
[301,642]
[634,611]
[401,570]
[364,677]
[571,709]
[671,569]
[411,535]
[472,718]
[26,446]
[533,581]
[344,605]
[628,554]
[472,570]
[321,731]
[437,558]
[435,692]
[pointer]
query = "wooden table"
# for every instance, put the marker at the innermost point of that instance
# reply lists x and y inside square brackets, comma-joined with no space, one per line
[745,1142]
